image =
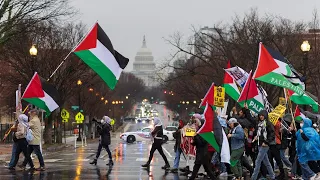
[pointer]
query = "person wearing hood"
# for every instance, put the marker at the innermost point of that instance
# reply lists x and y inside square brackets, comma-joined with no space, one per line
[105,140]
[157,135]
[265,137]
[34,144]
[308,148]
[22,144]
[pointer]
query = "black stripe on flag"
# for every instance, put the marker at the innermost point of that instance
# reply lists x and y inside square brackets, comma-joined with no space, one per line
[104,39]
[50,90]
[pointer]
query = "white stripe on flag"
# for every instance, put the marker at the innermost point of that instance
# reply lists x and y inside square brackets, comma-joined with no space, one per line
[107,58]
[225,150]
[50,103]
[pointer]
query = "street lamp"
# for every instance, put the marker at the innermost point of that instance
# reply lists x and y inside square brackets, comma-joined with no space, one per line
[106,102]
[305,48]
[79,83]
[127,97]
[91,89]
[102,98]
[33,50]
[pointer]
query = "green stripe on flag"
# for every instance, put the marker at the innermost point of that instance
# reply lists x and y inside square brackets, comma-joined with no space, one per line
[39,103]
[210,138]
[101,69]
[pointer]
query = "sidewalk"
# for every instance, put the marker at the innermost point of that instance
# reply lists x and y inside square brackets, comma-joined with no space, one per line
[5,149]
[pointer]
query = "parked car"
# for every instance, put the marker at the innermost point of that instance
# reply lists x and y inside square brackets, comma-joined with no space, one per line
[140,135]
[168,133]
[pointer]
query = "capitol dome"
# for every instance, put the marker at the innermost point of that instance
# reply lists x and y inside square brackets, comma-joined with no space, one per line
[144,51]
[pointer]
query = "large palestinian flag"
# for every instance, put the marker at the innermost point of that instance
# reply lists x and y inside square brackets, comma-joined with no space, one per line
[41,94]
[303,100]
[208,98]
[272,69]
[230,86]
[213,133]
[251,95]
[97,52]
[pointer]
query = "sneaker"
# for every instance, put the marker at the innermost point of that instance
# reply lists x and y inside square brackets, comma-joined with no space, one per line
[317,177]
[313,177]
[40,169]
[22,167]
[296,177]
[174,170]
[145,165]
[224,174]
[11,168]
[165,166]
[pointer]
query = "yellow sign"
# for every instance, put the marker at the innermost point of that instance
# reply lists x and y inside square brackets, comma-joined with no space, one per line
[65,114]
[79,118]
[190,132]
[277,113]
[65,120]
[219,93]
[282,101]
[112,122]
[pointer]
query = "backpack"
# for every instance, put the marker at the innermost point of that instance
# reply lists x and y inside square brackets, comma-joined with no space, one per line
[29,136]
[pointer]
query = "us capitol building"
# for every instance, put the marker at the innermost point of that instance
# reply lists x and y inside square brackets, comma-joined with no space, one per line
[144,66]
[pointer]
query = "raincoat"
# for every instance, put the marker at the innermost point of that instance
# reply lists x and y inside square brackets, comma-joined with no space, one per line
[308,150]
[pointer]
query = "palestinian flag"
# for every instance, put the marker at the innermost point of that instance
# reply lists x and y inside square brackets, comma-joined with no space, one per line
[272,69]
[97,52]
[303,100]
[208,98]
[230,86]
[251,95]
[41,94]
[298,115]
[213,133]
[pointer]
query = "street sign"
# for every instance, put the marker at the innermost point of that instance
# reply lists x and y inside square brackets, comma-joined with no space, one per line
[74,107]
[65,114]
[79,117]
[65,120]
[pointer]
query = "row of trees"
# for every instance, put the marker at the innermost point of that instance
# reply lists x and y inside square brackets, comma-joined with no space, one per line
[42,22]
[200,60]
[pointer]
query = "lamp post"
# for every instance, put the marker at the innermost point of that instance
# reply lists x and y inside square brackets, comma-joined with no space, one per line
[33,52]
[79,83]
[305,48]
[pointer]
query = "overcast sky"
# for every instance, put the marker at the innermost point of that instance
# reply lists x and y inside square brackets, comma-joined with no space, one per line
[126,21]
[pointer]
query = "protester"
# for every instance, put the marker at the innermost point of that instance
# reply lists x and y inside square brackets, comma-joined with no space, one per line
[237,139]
[265,136]
[22,144]
[157,134]
[177,148]
[201,155]
[34,144]
[105,140]
[14,145]
[308,148]
[284,146]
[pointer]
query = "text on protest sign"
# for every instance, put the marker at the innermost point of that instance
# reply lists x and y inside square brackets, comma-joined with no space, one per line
[219,93]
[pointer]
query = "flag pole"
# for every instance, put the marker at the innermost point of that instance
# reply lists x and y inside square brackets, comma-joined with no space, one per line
[64,60]
[290,107]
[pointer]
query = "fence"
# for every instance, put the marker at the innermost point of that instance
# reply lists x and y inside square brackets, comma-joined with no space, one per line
[3,129]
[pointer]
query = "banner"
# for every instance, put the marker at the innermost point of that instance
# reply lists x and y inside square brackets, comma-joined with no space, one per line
[239,75]
[277,113]
[219,93]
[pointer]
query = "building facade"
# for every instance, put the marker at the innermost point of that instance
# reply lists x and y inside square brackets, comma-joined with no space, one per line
[144,66]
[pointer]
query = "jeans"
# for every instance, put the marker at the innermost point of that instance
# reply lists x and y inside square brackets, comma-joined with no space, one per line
[284,159]
[22,146]
[14,149]
[36,149]
[262,157]
[307,173]
[177,158]
[107,149]
[236,168]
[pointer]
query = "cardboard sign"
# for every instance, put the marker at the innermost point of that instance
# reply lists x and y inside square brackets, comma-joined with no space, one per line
[219,93]
[190,132]
[277,113]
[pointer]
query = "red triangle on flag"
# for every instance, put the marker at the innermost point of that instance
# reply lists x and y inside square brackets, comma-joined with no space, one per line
[208,123]
[297,112]
[266,63]
[208,98]
[227,78]
[250,89]
[90,41]
[34,88]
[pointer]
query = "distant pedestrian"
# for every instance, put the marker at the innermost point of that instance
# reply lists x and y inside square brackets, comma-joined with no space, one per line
[34,144]
[22,144]
[105,140]
[157,135]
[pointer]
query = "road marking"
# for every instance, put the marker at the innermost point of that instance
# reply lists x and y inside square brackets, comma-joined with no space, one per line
[51,160]
[165,150]
[84,160]
[142,159]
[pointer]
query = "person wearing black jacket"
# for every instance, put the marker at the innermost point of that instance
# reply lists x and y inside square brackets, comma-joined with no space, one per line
[157,135]
[177,148]
[201,156]
[265,137]
[105,139]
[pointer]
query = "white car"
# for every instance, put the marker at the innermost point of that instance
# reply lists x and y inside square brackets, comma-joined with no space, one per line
[141,135]
[168,133]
